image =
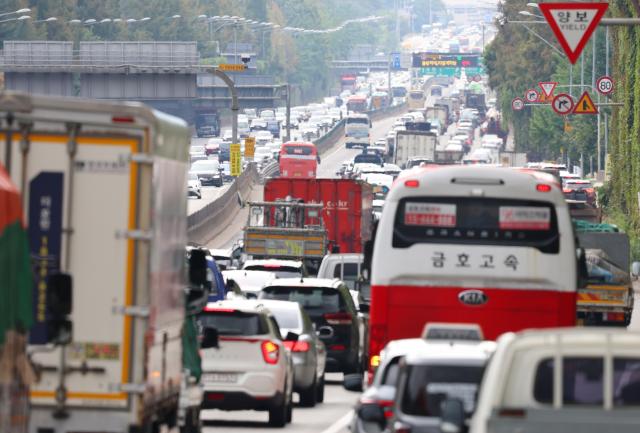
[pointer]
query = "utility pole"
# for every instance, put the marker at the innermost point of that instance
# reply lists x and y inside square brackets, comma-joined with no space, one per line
[234,101]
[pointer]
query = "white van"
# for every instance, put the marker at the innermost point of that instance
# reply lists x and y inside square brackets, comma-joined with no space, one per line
[596,389]
[344,266]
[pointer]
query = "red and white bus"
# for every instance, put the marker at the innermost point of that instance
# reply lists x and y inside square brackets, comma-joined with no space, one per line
[298,160]
[487,245]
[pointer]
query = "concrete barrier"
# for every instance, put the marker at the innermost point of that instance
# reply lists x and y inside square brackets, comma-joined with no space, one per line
[209,221]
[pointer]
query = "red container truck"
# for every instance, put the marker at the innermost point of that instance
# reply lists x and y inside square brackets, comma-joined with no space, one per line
[347,210]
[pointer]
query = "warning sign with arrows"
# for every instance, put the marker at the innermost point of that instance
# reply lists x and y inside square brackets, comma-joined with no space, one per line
[573,24]
[585,105]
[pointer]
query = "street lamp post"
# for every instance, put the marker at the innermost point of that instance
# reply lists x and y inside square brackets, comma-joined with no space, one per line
[18,12]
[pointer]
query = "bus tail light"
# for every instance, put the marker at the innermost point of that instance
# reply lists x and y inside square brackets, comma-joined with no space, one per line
[412,183]
[270,352]
[338,318]
[543,187]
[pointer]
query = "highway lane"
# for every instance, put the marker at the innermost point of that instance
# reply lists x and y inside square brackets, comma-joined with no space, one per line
[332,416]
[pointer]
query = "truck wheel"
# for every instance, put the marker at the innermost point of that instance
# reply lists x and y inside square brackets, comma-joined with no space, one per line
[320,390]
[278,414]
[308,396]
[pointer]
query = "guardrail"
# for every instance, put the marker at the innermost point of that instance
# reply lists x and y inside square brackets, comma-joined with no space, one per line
[209,221]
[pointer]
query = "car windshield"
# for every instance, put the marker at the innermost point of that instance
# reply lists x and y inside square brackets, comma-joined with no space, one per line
[315,300]
[427,386]
[367,158]
[233,323]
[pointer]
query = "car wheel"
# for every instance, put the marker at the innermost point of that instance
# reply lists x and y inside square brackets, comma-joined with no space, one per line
[278,414]
[320,390]
[308,396]
[290,409]
[199,196]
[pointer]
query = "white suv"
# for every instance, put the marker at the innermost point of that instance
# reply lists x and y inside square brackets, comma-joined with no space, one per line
[251,367]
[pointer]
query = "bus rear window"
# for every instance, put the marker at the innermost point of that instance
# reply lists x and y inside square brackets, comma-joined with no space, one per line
[298,150]
[357,120]
[479,221]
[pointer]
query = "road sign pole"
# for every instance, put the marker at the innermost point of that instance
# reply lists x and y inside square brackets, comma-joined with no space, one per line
[570,79]
[234,101]
[598,142]
[593,58]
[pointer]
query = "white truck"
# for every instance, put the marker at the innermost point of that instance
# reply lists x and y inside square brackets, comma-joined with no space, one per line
[556,381]
[414,143]
[104,188]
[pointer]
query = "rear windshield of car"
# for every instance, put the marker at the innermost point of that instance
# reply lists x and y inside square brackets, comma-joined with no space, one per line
[583,381]
[427,386]
[287,318]
[233,323]
[367,158]
[476,221]
[279,271]
[361,120]
[315,300]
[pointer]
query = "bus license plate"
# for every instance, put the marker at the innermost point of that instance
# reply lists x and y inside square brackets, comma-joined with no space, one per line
[220,377]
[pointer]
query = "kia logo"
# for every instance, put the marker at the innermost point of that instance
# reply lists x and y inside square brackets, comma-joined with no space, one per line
[473,297]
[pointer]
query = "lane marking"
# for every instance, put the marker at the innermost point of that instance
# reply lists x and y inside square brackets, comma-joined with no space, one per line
[337,426]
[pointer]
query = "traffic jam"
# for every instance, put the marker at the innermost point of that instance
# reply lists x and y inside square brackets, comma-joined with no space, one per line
[397,266]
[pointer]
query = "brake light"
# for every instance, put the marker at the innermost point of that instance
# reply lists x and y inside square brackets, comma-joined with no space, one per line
[219,310]
[543,187]
[297,346]
[338,318]
[386,405]
[338,347]
[411,183]
[270,352]
[512,413]
[122,119]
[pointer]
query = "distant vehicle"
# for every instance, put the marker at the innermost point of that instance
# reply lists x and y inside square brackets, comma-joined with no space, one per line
[267,114]
[331,308]
[522,260]
[579,189]
[357,129]
[263,137]
[435,91]
[298,160]
[357,104]
[194,186]
[213,146]
[208,171]
[262,154]
[251,368]
[250,113]
[573,379]
[368,158]
[417,161]
[207,124]
[344,266]
[417,99]
[307,350]
[273,126]
[399,91]
[258,124]
[414,143]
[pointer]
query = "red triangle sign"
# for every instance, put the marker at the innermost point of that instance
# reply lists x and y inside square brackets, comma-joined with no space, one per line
[573,24]
[548,87]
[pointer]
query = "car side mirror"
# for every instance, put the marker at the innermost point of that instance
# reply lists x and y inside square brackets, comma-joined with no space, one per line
[452,416]
[371,413]
[635,270]
[210,338]
[353,382]
[583,273]
[291,336]
[197,268]
[364,308]
[318,159]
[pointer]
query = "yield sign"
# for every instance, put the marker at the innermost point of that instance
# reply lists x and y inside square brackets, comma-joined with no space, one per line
[573,24]
[548,87]
[585,105]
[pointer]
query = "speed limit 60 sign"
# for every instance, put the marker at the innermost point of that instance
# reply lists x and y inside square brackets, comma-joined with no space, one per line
[604,85]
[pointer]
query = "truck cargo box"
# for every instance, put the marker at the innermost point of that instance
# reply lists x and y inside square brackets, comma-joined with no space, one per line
[414,143]
[347,209]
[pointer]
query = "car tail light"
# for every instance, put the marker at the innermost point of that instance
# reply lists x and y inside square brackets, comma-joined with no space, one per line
[543,187]
[338,318]
[399,427]
[512,413]
[297,346]
[386,405]
[411,183]
[338,347]
[270,352]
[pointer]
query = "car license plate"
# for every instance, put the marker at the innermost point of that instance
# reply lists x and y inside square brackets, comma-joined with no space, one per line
[220,377]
